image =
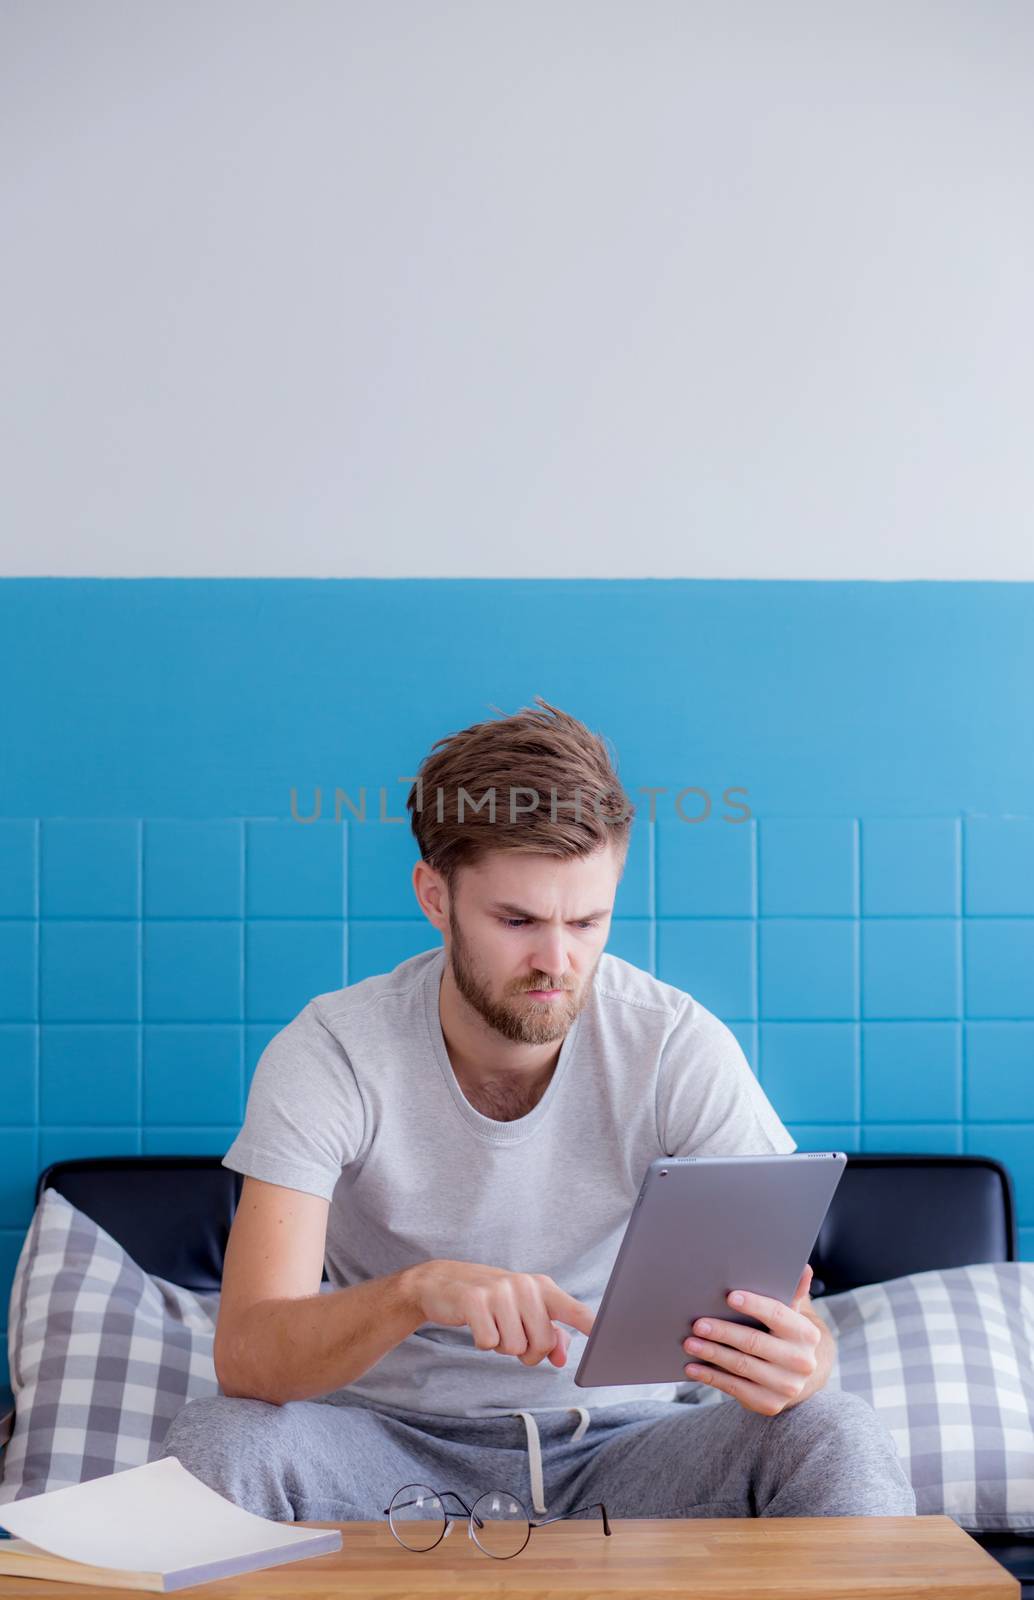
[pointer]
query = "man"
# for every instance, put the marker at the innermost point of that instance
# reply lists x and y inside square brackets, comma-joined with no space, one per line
[461,1141]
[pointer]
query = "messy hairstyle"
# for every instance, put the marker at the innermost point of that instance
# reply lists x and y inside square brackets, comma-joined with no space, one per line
[538,781]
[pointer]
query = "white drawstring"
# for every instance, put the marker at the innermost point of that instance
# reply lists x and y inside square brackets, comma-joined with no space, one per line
[538,1493]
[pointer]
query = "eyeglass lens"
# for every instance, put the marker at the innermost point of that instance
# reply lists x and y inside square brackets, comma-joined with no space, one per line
[417,1517]
[500,1523]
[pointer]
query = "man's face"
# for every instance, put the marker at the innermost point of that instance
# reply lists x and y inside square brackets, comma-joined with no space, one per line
[526,935]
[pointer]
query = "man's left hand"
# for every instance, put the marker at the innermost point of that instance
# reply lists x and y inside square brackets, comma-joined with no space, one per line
[765,1372]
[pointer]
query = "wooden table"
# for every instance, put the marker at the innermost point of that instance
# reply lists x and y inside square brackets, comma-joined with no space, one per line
[714,1558]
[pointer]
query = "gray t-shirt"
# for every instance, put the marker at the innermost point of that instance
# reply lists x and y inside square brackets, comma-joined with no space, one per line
[356,1100]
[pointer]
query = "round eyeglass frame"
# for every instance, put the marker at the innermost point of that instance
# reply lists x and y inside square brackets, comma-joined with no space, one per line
[450,1518]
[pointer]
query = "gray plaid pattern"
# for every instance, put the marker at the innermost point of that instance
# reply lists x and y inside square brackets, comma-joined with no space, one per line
[102,1355]
[946,1360]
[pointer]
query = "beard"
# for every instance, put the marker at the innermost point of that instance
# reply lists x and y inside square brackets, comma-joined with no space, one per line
[524,1020]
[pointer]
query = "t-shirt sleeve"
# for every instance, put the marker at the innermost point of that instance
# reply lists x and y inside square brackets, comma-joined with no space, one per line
[709,1103]
[305,1118]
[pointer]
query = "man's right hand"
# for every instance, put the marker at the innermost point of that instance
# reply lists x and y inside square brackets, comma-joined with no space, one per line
[506,1311]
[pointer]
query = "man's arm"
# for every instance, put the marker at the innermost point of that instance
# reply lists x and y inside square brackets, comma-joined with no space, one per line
[299,1349]
[277,1337]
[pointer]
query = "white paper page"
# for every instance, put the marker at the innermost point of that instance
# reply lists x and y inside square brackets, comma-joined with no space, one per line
[154,1518]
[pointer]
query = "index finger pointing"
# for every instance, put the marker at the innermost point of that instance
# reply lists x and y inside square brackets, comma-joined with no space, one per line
[563,1307]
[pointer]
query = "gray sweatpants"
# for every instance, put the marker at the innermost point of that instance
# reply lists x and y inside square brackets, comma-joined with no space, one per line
[331,1460]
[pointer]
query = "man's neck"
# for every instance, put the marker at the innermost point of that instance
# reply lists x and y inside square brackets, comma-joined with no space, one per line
[503,1099]
[483,1061]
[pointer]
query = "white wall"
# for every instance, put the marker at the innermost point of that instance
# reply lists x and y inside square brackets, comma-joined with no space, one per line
[543,287]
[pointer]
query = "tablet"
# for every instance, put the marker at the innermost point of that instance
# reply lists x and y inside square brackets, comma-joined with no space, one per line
[700,1226]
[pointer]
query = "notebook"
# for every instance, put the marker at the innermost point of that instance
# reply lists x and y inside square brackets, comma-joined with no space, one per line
[151,1527]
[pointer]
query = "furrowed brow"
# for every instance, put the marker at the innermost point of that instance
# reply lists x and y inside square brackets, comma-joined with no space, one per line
[518,911]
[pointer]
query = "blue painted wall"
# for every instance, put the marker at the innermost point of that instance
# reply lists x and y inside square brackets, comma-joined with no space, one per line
[868,931]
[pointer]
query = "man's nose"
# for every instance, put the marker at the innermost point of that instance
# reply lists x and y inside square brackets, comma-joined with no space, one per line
[551,954]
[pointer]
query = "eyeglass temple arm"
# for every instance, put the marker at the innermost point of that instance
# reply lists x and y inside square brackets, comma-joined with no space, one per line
[565,1514]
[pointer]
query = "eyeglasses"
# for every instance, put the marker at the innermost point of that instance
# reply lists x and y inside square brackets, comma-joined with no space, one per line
[497,1521]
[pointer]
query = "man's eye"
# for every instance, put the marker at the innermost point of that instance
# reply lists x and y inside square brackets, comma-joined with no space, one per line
[519,922]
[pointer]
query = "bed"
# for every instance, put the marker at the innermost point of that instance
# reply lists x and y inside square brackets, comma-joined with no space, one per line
[893,1216]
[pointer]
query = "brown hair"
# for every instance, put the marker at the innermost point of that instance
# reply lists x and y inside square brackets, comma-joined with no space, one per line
[473,792]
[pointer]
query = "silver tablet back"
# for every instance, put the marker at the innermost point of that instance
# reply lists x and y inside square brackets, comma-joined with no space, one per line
[703,1225]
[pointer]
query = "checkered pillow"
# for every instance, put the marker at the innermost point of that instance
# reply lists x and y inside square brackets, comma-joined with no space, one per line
[946,1360]
[102,1355]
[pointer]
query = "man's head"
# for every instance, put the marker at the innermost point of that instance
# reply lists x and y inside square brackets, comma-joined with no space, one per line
[523,935]
[523,830]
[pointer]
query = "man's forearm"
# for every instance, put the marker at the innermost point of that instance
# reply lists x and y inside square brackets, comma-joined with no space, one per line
[280,1350]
